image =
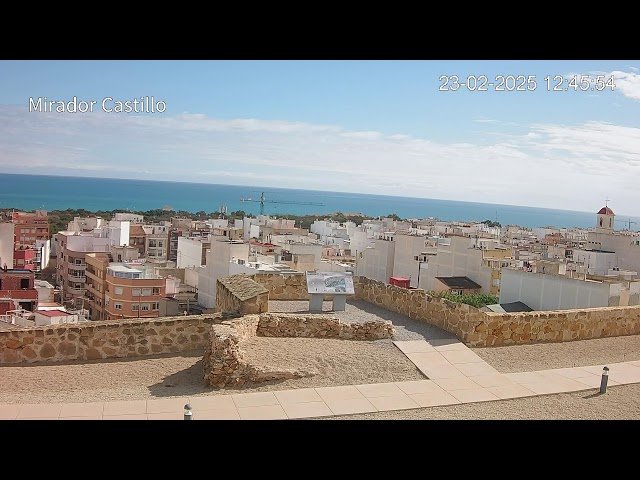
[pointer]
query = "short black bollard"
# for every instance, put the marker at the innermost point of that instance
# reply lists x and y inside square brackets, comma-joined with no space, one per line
[188,414]
[604,380]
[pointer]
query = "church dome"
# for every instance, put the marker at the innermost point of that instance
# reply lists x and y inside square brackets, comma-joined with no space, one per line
[605,211]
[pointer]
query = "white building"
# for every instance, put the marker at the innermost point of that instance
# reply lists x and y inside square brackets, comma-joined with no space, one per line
[460,257]
[556,292]
[85,224]
[190,252]
[7,233]
[56,317]
[376,262]
[42,254]
[156,242]
[129,217]
[220,257]
[411,254]
[45,291]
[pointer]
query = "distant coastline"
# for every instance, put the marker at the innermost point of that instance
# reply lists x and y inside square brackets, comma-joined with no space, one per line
[30,192]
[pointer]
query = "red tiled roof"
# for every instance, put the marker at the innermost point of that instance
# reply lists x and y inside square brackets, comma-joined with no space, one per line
[605,211]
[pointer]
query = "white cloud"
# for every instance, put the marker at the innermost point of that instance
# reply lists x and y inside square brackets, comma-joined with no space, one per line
[627,83]
[556,166]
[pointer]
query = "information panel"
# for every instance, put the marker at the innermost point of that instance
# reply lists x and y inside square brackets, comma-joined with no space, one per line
[330,283]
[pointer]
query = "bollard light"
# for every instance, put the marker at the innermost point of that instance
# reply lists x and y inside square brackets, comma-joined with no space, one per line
[188,414]
[604,380]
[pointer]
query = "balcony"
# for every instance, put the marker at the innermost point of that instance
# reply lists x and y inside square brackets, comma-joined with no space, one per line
[75,266]
[75,291]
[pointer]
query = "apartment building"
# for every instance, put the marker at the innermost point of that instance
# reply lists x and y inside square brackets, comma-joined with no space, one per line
[132,292]
[42,249]
[185,227]
[137,239]
[156,242]
[71,265]
[17,290]
[29,227]
[376,262]
[411,254]
[222,253]
[192,251]
[96,273]
[24,257]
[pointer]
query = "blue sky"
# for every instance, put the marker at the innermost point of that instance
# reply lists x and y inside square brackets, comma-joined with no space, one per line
[381,127]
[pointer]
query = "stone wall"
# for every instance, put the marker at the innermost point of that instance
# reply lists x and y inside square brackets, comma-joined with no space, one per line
[224,362]
[109,339]
[285,287]
[497,329]
[240,293]
[290,325]
[485,329]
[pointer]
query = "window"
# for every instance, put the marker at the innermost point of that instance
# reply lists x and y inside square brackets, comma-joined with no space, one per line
[118,290]
[145,307]
[146,292]
[135,292]
[117,306]
[24,283]
[155,306]
[156,290]
[134,307]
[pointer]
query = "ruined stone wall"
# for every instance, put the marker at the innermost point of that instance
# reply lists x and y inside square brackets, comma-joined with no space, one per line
[108,339]
[224,362]
[485,329]
[286,287]
[242,294]
[289,325]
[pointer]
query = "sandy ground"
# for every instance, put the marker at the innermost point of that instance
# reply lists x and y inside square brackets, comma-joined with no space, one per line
[337,362]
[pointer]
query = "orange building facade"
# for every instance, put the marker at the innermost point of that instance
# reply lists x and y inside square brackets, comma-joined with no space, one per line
[132,292]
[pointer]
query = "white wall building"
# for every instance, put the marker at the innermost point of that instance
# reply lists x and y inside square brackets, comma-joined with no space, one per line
[554,292]
[376,262]
[219,259]
[7,232]
[189,252]
[56,317]
[411,253]
[85,224]
[43,254]
[129,217]
[459,258]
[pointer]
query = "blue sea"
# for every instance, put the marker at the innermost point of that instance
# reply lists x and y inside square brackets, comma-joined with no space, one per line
[30,192]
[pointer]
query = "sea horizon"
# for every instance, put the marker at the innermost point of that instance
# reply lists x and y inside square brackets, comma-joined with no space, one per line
[62,192]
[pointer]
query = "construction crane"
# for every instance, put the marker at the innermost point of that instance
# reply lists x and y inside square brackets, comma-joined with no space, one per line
[263,201]
[627,222]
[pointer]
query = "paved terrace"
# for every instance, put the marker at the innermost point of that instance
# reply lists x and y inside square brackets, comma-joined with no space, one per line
[455,375]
